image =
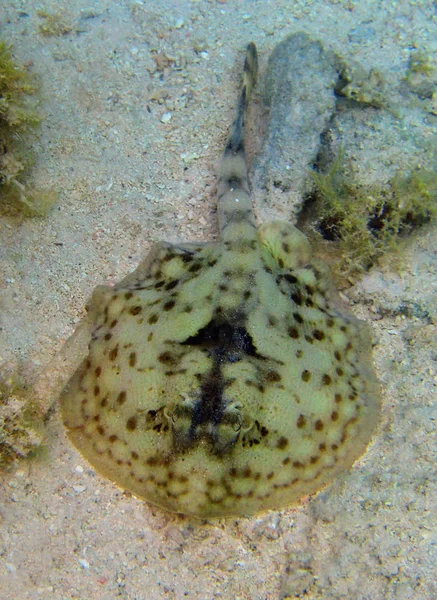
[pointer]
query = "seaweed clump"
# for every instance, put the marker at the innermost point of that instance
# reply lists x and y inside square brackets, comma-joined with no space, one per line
[358,86]
[21,429]
[53,24]
[365,222]
[18,119]
[421,75]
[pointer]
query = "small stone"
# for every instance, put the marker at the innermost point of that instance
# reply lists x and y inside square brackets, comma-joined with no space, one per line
[84,563]
[166,117]
[79,488]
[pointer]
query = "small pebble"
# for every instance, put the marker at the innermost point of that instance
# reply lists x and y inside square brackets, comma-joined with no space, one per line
[79,488]
[84,563]
[166,117]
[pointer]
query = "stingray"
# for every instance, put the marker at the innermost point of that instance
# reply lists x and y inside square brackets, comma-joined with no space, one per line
[224,378]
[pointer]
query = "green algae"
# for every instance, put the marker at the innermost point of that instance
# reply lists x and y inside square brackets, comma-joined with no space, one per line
[21,429]
[19,119]
[53,24]
[421,79]
[359,86]
[366,222]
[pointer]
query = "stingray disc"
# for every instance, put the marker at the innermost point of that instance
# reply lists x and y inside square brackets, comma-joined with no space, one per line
[223,379]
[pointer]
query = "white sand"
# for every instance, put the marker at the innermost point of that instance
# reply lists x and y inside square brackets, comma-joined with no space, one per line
[66,532]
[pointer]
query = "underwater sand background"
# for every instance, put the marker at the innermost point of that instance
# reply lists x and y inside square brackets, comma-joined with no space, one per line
[128,175]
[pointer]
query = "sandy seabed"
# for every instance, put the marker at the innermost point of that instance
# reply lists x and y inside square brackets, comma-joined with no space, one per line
[137,99]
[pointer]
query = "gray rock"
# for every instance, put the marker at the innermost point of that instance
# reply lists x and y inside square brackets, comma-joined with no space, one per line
[299,91]
[322,106]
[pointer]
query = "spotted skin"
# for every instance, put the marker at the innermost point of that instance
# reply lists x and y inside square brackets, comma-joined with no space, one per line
[226,378]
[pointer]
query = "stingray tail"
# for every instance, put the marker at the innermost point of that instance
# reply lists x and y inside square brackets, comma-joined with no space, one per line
[234,204]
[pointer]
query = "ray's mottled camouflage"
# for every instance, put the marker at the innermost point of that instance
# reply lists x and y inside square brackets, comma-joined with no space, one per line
[224,378]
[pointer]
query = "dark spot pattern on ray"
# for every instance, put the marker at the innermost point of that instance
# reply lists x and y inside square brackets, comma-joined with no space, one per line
[224,378]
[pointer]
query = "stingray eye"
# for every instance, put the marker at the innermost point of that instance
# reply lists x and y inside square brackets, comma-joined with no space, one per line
[180,419]
[227,432]
[237,424]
